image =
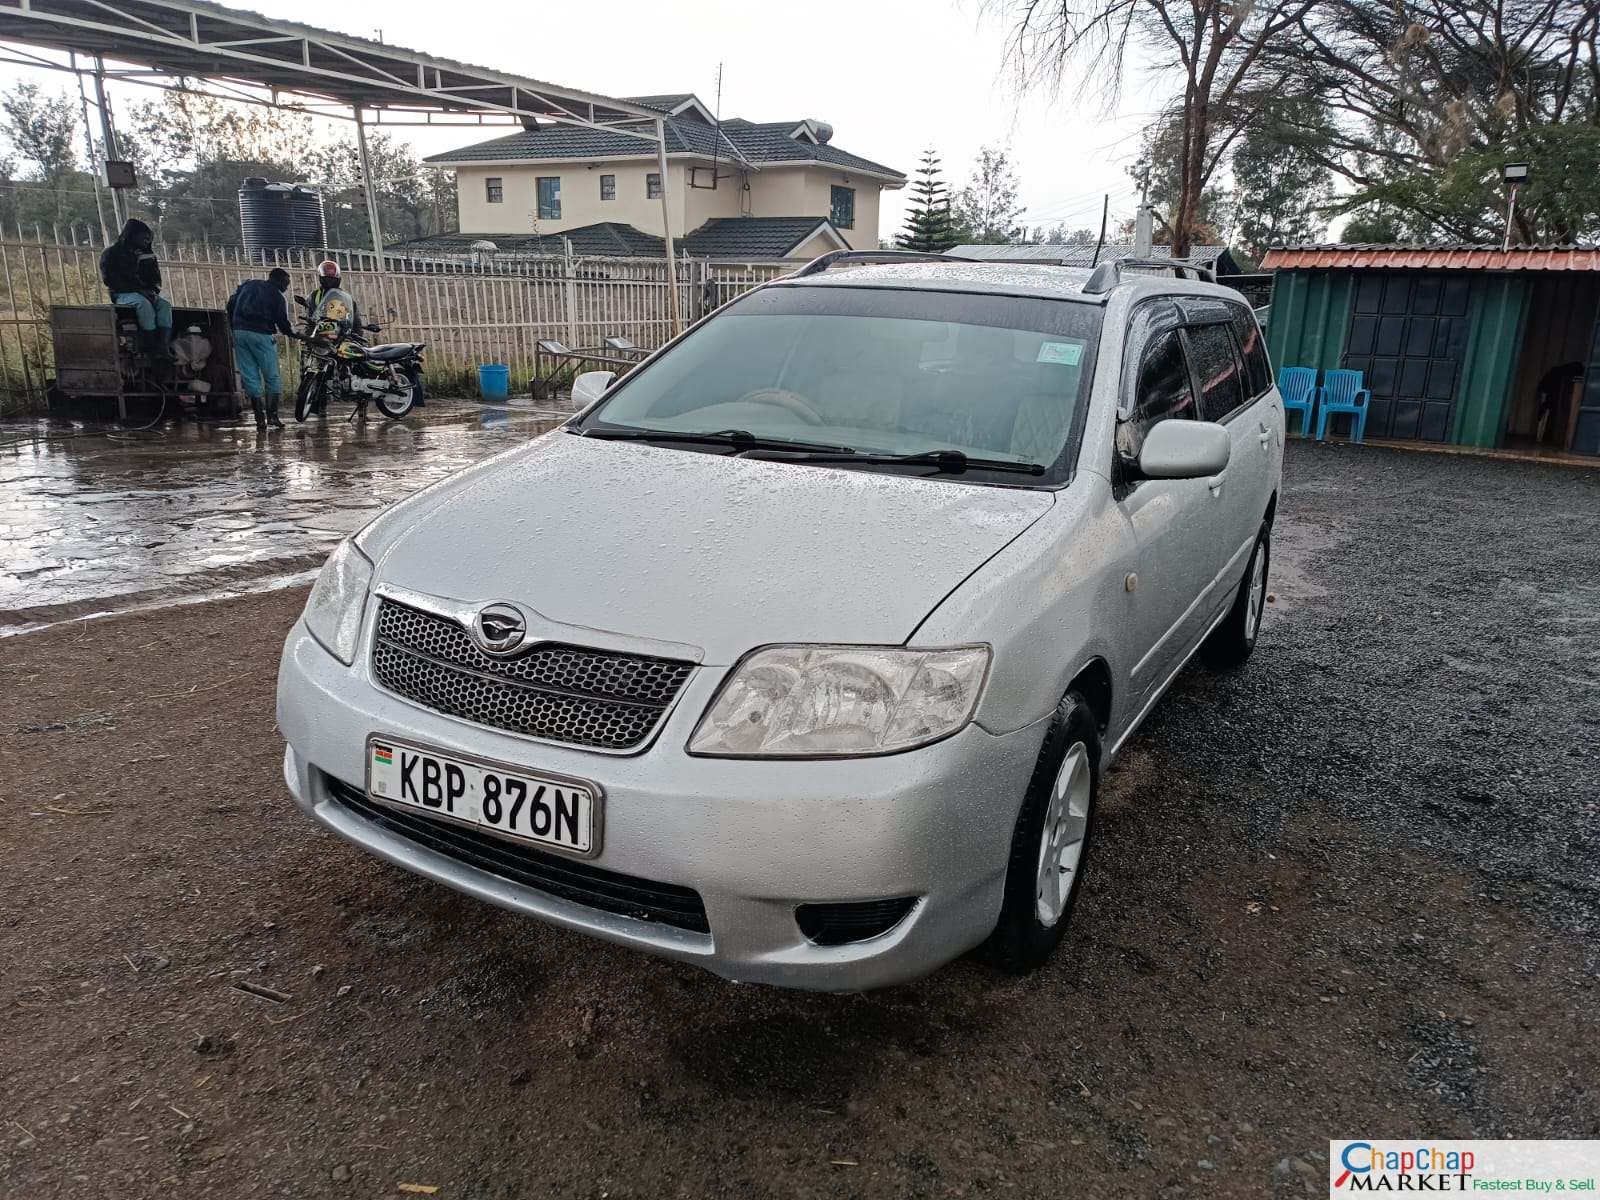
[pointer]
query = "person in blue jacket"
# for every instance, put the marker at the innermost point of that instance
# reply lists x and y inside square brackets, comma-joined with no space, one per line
[257,310]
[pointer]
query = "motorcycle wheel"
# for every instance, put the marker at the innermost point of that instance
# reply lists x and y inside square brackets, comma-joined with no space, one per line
[306,396]
[395,407]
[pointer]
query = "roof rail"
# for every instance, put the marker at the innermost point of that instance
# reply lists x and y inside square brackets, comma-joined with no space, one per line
[1108,274]
[818,265]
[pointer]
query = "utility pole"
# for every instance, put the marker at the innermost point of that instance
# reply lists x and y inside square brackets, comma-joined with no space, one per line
[666,229]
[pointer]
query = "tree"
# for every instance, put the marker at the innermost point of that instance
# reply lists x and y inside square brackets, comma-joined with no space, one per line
[54,190]
[1218,45]
[929,226]
[1430,97]
[1282,191]
[1159,174]
[40,126]
[986,209]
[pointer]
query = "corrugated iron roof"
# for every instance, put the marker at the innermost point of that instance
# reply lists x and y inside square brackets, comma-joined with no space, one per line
[1422,257]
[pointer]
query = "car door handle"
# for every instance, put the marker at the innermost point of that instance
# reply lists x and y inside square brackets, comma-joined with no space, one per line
[1266,437]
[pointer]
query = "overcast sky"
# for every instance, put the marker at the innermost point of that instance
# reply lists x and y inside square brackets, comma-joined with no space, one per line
[892,76]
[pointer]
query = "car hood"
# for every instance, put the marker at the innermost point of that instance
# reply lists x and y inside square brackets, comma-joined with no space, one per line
[723,554]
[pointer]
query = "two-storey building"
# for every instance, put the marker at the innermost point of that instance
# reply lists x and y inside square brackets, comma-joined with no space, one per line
[737,189]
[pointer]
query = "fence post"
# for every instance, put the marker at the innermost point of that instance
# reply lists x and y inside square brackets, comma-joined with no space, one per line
[569,293]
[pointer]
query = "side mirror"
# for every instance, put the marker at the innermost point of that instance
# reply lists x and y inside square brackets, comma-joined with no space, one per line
[1184,450]
[302,301]
[590,386]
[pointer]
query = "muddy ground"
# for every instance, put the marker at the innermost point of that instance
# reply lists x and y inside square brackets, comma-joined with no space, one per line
[1349,890]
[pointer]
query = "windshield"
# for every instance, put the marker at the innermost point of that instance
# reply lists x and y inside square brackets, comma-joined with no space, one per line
[878,372]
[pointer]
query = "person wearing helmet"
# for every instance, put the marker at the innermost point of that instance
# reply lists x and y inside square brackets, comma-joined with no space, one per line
[332,308]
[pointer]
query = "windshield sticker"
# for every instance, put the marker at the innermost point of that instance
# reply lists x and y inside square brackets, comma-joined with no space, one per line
[1068,354]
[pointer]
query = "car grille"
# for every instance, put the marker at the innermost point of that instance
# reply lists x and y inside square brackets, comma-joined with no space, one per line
[552,874]
[551,691]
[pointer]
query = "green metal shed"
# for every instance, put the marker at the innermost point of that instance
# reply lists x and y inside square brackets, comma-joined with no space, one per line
[1468,345]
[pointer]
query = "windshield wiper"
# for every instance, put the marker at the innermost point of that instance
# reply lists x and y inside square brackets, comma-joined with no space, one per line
[740,439]
[944,461]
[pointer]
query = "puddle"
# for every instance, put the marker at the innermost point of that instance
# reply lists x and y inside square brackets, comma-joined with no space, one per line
[95,521]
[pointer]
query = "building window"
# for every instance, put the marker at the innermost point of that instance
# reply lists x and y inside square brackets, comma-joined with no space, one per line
[608,187]
[494,189]
[842,207]
[549,197]
[652,186]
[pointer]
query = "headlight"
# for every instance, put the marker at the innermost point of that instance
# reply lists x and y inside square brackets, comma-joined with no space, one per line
[841,701]
[333,613]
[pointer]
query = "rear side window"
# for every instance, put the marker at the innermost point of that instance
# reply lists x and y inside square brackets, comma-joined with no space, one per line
[1163,392]
[1257,367]
[1217,370]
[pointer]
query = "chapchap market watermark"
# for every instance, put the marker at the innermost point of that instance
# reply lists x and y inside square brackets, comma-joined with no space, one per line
[1540,1168]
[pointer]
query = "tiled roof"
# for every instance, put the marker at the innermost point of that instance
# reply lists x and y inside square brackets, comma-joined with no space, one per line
[768,142]
[720,237]
[753,237]
[1074,254]
[580,142]
[1405,256]
[663,103]
[604,238]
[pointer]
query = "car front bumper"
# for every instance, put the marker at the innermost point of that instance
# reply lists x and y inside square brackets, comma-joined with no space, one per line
[754,838]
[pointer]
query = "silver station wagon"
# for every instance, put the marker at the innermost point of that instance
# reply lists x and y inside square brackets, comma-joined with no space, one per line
[798,655]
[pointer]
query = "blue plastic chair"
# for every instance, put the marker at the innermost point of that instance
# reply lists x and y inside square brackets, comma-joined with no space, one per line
[1298,385]
[1342,393]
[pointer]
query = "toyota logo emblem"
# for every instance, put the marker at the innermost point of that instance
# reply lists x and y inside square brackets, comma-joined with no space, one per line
[499,629]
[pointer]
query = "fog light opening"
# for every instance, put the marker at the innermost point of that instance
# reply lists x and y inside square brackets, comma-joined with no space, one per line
[854,921]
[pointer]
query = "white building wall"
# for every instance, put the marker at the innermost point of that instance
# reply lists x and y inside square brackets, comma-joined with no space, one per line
[774,192]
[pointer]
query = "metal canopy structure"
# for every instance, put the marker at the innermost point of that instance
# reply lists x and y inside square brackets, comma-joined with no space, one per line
[197,46]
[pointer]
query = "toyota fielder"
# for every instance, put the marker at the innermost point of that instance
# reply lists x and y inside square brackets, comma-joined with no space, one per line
[798,655]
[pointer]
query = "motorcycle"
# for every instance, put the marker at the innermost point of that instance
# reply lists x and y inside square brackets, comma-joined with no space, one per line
[340,365]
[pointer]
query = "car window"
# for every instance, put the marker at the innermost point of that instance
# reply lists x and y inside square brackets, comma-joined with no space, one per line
[879,370]
[1217,370]
[1257,367]
[1163,392]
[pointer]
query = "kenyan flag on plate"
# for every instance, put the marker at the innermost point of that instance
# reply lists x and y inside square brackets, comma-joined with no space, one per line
[382,754]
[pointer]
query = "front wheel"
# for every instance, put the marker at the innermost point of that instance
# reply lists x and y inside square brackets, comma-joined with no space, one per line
[305,397]
[1231,642]
[1050,842]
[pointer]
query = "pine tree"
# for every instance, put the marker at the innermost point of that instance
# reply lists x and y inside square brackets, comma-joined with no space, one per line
[929,226]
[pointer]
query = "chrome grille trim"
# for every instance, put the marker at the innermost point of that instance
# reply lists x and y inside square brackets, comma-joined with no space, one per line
[556,692]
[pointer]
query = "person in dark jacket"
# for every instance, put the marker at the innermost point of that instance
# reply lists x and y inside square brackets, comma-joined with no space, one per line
[133,277]
[257,310]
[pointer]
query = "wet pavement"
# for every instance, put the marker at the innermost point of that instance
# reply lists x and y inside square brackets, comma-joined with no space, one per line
[104,520]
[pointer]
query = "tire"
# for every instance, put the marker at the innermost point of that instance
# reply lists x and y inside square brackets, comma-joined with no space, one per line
[1231,642]
[396,407]
[305,395]
[1062,793]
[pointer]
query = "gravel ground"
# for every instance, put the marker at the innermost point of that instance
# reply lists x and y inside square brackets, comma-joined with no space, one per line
[1349,890]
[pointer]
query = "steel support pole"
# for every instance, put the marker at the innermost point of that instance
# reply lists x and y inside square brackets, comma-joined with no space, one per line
[373,221]
[370,188]
[88,137]
[108,140]
[666,229]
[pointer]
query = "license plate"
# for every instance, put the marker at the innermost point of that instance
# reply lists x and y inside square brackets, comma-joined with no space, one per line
[541,809]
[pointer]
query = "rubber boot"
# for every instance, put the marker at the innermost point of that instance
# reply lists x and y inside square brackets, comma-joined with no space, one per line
[157,347]
[260,412]
[272,410]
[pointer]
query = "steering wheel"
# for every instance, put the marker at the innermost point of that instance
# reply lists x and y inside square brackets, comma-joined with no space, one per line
[787,400]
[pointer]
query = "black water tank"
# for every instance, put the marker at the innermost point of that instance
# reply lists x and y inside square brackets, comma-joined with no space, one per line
[280,216]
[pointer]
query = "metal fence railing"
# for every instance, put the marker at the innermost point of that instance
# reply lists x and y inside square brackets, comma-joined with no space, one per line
[470,310]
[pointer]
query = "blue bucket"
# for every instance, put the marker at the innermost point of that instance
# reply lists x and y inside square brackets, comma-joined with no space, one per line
[494,381]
